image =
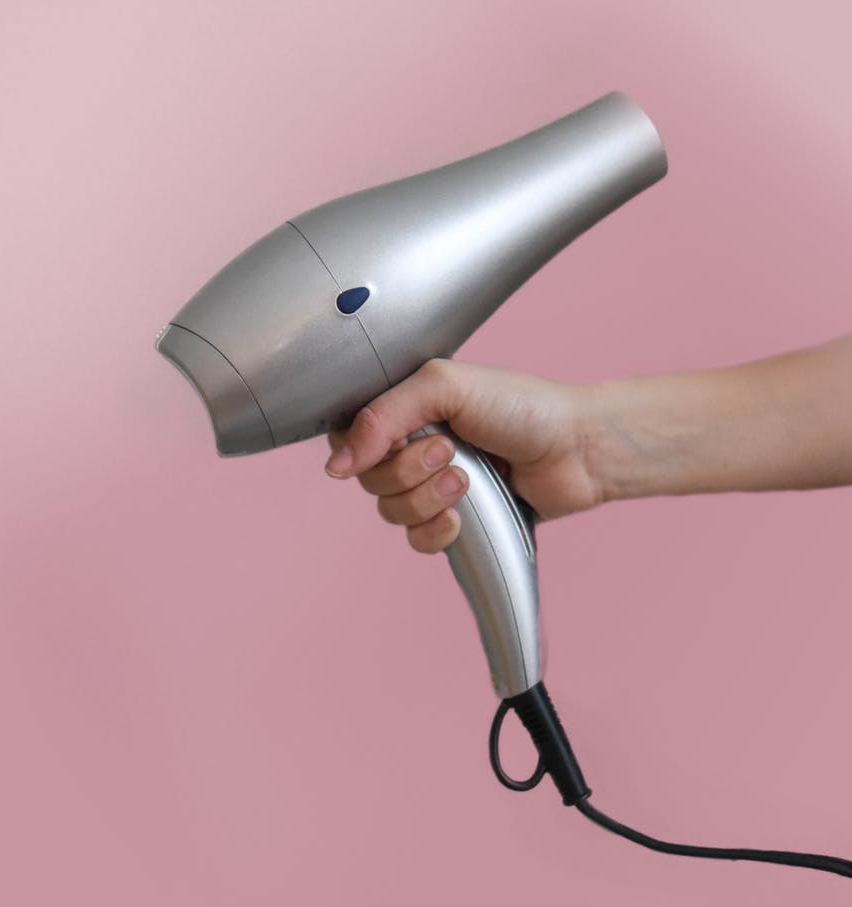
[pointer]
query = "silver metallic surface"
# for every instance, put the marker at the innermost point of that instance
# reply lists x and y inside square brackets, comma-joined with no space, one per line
[276,361]
[271,313]
[493,560]
[441,250]
[238,422]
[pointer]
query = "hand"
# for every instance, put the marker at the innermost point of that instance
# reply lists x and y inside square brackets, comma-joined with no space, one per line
[778,423]
[532,424]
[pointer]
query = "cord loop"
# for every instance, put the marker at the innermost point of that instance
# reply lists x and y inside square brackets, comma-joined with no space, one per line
[494,755]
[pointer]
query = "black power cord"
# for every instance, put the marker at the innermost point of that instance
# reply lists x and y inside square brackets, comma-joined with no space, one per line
[556,758]
[786,857]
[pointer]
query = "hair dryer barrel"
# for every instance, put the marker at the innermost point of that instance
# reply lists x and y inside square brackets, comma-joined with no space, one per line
[441,250]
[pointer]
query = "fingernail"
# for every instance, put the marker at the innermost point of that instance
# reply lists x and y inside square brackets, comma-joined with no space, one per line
[339,463]
[438,453]
[450,482]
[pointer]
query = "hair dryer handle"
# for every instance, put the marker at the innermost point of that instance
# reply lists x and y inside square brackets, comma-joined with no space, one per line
[494,561]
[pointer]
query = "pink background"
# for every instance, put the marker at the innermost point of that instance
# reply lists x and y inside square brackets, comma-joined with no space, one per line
[228,682]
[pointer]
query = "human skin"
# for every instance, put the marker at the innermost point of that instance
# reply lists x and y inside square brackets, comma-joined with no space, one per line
[778,423]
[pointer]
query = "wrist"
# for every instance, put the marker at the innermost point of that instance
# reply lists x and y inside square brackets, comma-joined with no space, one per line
[777,423]
[635,442]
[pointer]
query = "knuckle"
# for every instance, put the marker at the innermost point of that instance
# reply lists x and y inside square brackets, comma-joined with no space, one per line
[420,540]
[368,419]
[386,511]
[365,480]
[335,438]
[442,379]
[436,370]
[404,470]
[437,534]
[453,527]
[397,470]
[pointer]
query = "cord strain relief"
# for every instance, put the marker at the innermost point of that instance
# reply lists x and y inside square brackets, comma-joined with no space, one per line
[539,717]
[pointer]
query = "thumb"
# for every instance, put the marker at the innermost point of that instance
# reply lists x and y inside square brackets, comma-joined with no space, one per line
[432,394]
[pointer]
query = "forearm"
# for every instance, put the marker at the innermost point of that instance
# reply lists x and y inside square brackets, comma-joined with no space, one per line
[778,423]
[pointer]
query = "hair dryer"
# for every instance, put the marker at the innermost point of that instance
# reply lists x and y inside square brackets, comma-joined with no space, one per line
[324,313]
[342,302]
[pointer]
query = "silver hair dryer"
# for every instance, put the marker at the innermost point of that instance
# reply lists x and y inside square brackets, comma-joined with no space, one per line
[337,305]
[320,316]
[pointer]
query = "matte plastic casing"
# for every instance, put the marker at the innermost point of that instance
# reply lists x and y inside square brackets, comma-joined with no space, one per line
[276,361]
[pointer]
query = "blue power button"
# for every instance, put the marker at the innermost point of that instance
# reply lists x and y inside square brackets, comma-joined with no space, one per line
[349,301]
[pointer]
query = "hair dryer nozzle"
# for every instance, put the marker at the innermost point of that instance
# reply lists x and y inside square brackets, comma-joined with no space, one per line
[238,423]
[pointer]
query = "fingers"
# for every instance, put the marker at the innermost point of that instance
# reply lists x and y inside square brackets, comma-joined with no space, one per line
[408,468]
[429,395]
[336,439]
[434,535]
[421,504]
[416,488]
